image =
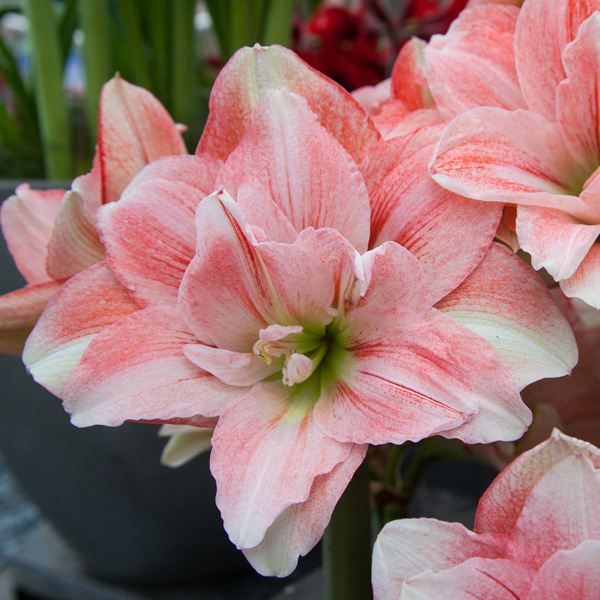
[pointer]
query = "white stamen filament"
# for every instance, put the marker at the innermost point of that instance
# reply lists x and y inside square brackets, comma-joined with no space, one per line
[298,368]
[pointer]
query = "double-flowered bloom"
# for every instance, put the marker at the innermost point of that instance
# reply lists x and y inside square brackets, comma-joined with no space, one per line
[288,288]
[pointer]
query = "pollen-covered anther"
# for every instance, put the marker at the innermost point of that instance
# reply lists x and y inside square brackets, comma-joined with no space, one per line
[298,368]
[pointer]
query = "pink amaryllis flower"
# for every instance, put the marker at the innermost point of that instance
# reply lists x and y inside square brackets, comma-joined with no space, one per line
[287,315]
[536,536]
[543,159]
[52,234]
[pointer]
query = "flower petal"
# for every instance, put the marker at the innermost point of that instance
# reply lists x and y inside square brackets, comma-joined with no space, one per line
[266,455]
[409,77]
[28,220]
[133,130]
[585,282]
[299,527]
[252,72]
[185,443]
[311,178]
[84,306]
[19,312]
[570,574]
[136,370]
[474,63]
[506,303]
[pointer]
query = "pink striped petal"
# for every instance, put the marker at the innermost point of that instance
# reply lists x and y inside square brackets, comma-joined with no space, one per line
[515,157]
[556,241]
[19,312]
[266,454]
[570,575]
[393,123]
[234,287]
[412,210]
[476,579]
[75,244]
[252,72]
[577,97]
[298,528]
[133,130]
[136,370]
[543,30]
[504,302]
[585,282]
[409,77]
[150,238]
[502,504]
[408,547]
[312,179]
[373,97]
[84,306]
[474,63]
[28,220]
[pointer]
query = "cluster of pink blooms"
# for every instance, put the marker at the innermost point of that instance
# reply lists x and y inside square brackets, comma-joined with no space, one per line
[322,275]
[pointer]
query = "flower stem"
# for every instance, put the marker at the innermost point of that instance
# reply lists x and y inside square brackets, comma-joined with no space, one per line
[347,543]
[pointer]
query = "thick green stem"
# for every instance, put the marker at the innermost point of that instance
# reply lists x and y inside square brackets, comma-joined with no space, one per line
[50,98]
[347,543]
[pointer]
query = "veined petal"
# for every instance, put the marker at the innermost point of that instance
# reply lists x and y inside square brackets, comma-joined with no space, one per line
[507,304]
[19,312]
[543,30]
[309,175]
[136,370]
[569,574]
[565,500]
[266,454]
[409,76]
[299,527]
[133,130]
[578,96]
[409,547]
[474,63]
[150,238]
[252,72]
[75,244]
[28,220]
[84,306]
[476,578]
[585,282]
[502,504]
[234,286]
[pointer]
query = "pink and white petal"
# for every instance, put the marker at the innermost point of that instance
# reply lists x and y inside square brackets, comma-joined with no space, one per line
[555,240]
[543,31]
[476,579]
[409,76]
[185,443]
[585,282]
[409,124]
[84,306]
[570,574]
[577,97]
[474,63]
[28,220]
[412,210]
[150,238]
[515,157]
[247,78]
[373,97]
[232,368]
[266,454]
[299,527]
[198,171]
[136,370]
[260,210]
[408,547]
[565,500]
[501,505]
[309,175]
[506,232]
[505,302]
[391,115]
[19,312]
[133,130]
[234,286]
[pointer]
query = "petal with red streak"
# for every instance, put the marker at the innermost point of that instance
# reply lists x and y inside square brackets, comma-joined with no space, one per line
[585,282]
[409,76]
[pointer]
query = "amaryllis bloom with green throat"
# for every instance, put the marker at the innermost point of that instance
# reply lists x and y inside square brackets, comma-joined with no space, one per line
[266,310]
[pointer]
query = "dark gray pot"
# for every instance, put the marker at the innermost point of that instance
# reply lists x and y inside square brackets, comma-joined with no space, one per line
[104,490]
